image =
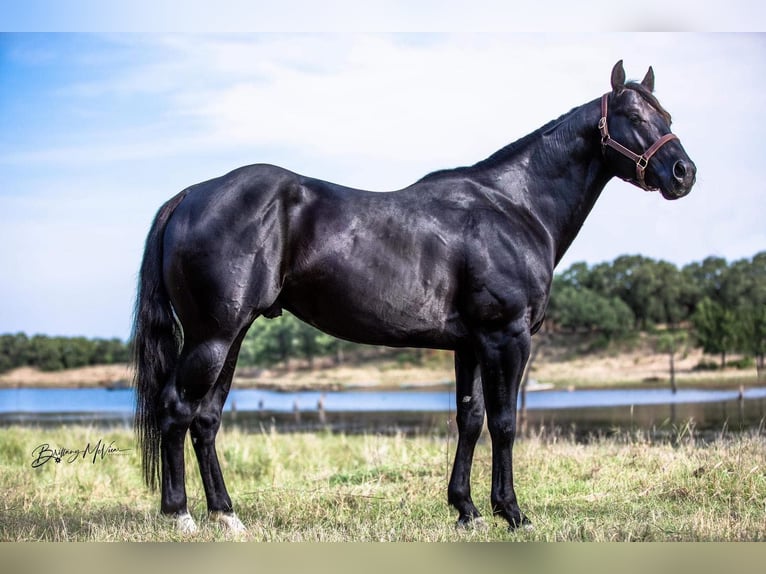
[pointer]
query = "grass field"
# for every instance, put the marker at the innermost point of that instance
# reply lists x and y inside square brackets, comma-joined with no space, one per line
[323,487]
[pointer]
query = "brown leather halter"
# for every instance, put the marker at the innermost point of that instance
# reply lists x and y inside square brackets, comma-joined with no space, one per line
[642,161]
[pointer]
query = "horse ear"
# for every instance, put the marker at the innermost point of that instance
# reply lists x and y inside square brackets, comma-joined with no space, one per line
[618,76]
[648,81]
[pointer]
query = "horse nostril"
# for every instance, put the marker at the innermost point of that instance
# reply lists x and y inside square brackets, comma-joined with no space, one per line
[679,170]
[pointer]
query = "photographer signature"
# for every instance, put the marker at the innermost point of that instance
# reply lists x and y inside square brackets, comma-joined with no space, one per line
[44,453]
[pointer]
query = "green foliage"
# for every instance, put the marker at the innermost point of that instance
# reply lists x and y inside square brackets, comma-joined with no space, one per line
[752,333]
[724,303]
[672,342]
[707,365]
[652,290]
[714,326]
[743,363]
[56,353]
[582,308]
[14,351]
[280,340]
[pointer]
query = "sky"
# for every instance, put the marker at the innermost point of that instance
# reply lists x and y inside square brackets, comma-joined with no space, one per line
[98,129]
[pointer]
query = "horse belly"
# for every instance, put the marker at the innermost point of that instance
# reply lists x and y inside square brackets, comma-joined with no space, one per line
[377,308]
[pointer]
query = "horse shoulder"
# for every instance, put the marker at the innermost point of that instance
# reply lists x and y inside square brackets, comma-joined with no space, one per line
[507,276]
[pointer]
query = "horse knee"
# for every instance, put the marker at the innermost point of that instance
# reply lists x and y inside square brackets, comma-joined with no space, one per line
[502,426]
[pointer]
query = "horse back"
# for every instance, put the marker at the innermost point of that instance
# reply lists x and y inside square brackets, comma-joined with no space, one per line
[404,268]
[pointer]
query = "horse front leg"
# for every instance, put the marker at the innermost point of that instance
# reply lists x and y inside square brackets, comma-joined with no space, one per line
[502,357]
[470,419]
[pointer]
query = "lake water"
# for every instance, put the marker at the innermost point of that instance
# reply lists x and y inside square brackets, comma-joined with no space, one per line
[374,410]
[28,400]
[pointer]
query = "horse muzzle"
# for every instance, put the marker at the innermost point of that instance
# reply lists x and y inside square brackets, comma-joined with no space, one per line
[683,177]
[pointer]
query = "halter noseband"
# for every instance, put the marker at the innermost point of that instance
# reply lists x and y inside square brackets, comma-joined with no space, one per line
[642,161]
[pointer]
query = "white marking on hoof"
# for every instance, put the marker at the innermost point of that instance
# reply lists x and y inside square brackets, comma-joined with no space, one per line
[228,521]
[185,523]
[526,526]
[477,524]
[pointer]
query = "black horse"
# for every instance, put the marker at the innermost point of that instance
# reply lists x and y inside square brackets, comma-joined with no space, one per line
[461,260]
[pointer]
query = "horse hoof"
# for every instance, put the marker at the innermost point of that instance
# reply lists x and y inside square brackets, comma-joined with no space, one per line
[526,524]
[228,521]
[185,523]
[476,524]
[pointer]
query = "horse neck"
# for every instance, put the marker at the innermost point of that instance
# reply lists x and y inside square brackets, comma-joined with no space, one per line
[557,173]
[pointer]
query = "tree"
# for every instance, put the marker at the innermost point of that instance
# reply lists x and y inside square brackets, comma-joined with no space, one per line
[75,351]
[669,294]
[752,334]
[672,343]
[654,290]
[109,351]
[577,275]
[715,328]
[707,277]
[307,341]
[745,285]
[14,351]
[270,342]
[581,308]
[45,353]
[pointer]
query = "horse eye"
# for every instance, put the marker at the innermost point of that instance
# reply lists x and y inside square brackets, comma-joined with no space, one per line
[635,119]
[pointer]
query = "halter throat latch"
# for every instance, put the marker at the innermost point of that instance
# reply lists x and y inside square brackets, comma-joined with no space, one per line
[641,160]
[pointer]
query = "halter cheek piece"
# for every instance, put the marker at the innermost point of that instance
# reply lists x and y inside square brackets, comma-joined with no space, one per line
[641,160]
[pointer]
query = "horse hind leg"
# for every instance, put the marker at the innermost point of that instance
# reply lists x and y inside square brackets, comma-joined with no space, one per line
[203,431]
[198,369]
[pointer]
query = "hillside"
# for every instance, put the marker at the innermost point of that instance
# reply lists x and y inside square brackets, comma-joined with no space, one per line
[564,362]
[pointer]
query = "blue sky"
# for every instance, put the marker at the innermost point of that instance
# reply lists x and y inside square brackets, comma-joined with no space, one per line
[98,130]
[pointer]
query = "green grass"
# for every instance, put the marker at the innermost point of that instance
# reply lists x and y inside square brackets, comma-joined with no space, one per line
[322,487]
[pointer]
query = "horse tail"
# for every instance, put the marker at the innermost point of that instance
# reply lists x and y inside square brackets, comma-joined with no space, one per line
[156,342]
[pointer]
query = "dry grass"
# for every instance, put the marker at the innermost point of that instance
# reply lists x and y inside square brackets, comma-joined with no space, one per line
[310,487]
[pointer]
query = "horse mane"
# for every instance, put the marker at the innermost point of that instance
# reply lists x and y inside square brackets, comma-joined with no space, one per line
[506,153]
[502,155]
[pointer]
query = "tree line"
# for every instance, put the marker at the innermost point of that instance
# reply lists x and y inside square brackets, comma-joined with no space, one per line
[720,305]
[57,353]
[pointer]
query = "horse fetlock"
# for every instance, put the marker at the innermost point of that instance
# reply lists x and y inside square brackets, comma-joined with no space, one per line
[518,521]
[228,521]
[184,523]
[512,514]
[472,523]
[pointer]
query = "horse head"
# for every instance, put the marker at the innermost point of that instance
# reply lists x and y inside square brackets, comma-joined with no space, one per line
[636,139]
